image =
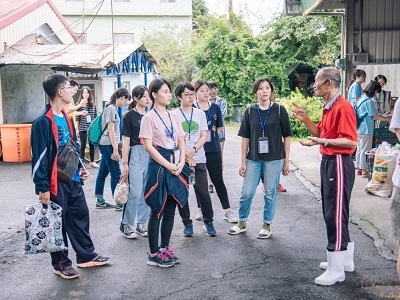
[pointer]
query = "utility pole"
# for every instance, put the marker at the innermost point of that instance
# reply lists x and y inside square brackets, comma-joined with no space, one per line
[230,11]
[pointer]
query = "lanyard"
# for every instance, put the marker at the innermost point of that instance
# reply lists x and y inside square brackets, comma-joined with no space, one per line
[265,120]
[191,117]
[208,111]
[170,132]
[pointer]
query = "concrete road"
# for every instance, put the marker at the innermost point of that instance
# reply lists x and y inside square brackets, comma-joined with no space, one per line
[223,267]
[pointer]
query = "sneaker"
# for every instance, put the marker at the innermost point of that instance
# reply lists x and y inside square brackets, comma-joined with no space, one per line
[141,229]
[101,203]
[265,232]
[199,215]
[94,165]
[230,217]
[188,230]
[159,260]
[209,228]
[210,188]
[281,188]
[95,262]
[119,206]
[168,252]
[67,273]
[127,231]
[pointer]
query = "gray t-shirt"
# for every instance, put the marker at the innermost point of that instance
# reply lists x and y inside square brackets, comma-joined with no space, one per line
[110,114]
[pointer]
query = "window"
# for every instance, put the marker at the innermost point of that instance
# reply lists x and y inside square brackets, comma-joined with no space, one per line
[124,38]
[167,1]
[82,37]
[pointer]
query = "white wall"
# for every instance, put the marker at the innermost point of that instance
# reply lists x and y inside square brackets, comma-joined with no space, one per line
[23,97]
[391,72]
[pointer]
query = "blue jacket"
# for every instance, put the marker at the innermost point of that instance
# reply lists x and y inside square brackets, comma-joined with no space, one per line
[160,183]
[44,143]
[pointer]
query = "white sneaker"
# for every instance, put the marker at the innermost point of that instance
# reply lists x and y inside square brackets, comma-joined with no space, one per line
[199,215]
[94,165]
[230,217]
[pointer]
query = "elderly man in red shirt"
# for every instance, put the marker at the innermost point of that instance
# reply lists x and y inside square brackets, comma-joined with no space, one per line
[336,134]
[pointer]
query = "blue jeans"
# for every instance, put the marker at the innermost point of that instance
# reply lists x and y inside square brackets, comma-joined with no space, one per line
[271,171]
[136,206]
[107,166]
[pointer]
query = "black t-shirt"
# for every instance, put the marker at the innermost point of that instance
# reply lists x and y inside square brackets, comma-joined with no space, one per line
[276,128]
[214,121]
[131,127]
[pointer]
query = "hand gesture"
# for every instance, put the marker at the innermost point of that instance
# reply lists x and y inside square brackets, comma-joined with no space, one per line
[298,112]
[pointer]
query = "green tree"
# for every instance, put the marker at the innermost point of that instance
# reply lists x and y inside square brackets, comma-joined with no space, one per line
[313,41]
[199,10]
[171,47]
[228,53]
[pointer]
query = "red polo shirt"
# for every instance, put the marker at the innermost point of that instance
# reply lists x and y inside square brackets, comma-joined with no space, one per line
[339,121]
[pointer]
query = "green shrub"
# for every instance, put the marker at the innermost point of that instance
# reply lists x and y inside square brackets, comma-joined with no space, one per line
[312,105]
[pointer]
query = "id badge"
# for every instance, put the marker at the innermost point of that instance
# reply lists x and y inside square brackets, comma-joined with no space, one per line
[88,119]
[209,136]
[263,146]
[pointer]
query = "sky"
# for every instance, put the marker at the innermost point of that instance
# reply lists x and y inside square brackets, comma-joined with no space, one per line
[255,12]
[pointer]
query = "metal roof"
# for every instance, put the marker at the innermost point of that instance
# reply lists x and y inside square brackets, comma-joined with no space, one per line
[13,10]
[80,58]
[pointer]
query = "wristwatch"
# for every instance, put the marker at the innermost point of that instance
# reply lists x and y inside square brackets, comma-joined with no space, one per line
[195,149]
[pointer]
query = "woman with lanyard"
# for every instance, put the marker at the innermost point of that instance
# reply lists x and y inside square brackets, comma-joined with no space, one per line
[263,155]
[134,165]
[212,147]
[108,147]
[166,186]
[194,125]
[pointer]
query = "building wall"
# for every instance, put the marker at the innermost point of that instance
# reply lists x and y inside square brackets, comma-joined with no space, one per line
[134,17]
[391,72]
[33,20]
[23,97]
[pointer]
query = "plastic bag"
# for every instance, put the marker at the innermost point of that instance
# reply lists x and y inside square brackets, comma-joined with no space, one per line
[381,183]
[43,228]
[121,191]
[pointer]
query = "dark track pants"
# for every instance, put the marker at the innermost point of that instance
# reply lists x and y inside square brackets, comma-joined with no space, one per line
[337,180]
[75,224]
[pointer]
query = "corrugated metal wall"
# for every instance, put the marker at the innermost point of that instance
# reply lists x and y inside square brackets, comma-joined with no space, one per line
[380,26]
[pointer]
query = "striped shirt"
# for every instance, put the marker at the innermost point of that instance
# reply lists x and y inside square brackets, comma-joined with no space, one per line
[221,102]
[83,123]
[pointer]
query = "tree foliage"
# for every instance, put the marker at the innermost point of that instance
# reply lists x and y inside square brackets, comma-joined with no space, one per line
[171,47]
[226,51]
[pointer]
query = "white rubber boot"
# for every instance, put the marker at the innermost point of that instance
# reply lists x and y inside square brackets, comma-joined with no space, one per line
[335,271]
[349,261]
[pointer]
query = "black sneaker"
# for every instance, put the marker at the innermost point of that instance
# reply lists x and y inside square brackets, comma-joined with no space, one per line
[160,260]
[209,228]
[95,262]
[119,206]
[127,231]
[141,229]
[210,188]
[67,273]
[168,252]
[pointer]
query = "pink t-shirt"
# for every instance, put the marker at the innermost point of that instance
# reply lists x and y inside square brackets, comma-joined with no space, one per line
[153,128]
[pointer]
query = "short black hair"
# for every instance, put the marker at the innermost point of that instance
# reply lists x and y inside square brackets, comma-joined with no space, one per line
[180,88]
[258,82]
[52,83]
[377,77]
[212,84]
[74,83]
[199,83]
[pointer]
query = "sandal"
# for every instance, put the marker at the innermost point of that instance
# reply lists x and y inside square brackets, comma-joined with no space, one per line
[236,230]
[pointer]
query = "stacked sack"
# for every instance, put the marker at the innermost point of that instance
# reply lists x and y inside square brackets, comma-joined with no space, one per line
[385,161]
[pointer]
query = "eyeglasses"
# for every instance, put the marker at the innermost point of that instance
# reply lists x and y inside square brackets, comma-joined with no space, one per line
[188,95]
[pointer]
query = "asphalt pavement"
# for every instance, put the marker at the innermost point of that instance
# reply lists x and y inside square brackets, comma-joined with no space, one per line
[222,267]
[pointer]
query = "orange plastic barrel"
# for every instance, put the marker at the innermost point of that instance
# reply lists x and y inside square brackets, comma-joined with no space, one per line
[15,141]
